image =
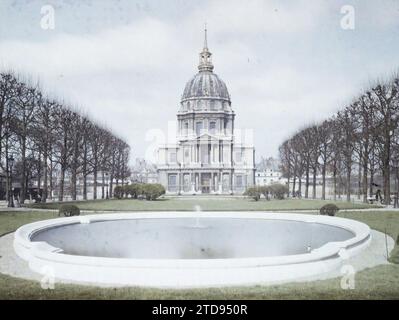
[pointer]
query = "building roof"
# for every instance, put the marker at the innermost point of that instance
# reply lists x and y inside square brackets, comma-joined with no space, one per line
[205,84]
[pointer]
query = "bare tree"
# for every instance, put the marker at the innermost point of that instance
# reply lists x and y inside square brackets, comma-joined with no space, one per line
[25,102]
[325,134]
[384,97]
[63,145]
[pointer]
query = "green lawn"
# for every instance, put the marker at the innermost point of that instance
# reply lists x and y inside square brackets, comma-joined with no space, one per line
[377,283]
[10,221]
[384,221]
[206,204]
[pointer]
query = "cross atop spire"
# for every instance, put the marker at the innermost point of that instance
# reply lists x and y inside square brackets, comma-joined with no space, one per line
[205,63]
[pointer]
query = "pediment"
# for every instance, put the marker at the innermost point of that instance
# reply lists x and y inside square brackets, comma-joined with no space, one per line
[207,136]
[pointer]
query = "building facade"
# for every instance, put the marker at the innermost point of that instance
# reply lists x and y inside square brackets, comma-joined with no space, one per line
[268,172]
[206,158]
[267,177]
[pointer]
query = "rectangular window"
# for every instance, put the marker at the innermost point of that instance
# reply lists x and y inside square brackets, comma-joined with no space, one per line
[172,157]
[239,181]
[186,182]
[185,132]
[205,150]
[225,181]
[212,127]
[186,155]
[238,156]
[198,128]
[172,182]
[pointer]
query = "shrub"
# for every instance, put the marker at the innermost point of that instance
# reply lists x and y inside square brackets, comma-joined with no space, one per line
[278,190]
[68,210]
[265,190]
[119,192]
[253,192]
[329,209]
[151,191]
[133,190]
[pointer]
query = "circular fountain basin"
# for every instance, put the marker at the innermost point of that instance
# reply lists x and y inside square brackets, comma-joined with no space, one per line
[175,249]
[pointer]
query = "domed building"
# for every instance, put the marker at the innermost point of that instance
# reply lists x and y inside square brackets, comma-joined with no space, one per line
[206,158]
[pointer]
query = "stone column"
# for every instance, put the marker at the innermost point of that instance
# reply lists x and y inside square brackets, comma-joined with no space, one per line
[231,182]
[192,181]
[178,182]
[220,182]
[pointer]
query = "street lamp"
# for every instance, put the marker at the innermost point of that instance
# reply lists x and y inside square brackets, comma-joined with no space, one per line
[10,162]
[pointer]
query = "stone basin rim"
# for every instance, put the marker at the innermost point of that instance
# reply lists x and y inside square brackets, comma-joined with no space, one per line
[42,251]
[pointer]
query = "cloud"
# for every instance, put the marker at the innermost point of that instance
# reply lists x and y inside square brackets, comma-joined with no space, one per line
[285,63]
[258,16]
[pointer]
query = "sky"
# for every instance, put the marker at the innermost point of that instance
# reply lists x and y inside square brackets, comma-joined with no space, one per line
[287,64]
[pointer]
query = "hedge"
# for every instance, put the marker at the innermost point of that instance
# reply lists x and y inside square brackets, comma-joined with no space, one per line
[148,191]
[278,191]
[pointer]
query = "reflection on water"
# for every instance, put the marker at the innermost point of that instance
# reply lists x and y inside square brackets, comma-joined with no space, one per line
[191,238]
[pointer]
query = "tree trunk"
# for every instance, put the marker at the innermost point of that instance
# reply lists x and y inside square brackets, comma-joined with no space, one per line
[51,188]
[307,180]
[62,182]
[300,187]
[387,183]
[9,191]
[45,176]
[364,182]
[386,169]
[371,180]
[396,204]
[359,182]
[102,184]
[348,185]
[39,176]
[75,164]
[111,184]
[323,172]
[314,182]
[23,174]
[293,186]
[73,183]
[84,170]
[84,186]
[95,183]
[335,184]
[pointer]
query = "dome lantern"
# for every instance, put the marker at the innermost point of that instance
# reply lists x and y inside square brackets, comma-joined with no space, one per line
[205,63]
[206,87]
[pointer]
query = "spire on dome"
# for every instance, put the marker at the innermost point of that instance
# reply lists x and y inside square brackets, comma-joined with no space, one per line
[205,63]
[206,39]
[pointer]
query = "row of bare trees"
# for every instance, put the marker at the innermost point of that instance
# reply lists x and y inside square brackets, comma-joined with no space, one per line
[54,145]
[355,146]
